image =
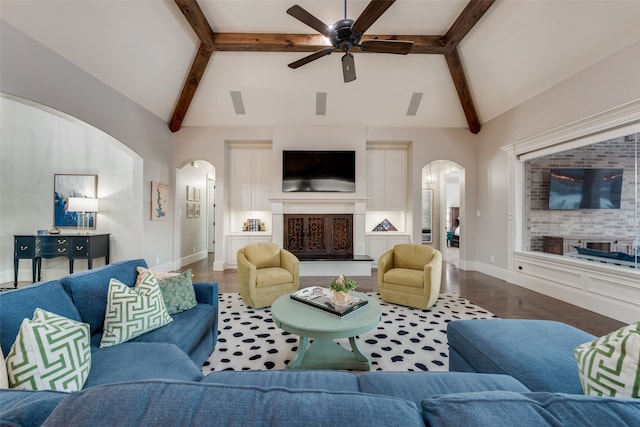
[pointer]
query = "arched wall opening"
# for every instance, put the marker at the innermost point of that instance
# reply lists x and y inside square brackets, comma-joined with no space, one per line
[38,142]
[442,211]
[195,211]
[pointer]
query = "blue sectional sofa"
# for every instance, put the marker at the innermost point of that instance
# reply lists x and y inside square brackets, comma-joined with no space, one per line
[175,351]
[318,398]
[514,372]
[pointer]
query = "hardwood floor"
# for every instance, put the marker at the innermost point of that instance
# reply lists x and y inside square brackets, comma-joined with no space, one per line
[505,300]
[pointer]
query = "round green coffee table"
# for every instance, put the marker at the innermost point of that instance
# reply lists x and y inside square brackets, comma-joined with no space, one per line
[324,353]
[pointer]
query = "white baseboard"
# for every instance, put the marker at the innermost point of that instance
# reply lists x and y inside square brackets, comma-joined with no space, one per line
[190,259]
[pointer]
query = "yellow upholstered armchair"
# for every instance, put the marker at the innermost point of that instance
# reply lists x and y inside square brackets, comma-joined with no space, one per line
[266,272]
[410,275]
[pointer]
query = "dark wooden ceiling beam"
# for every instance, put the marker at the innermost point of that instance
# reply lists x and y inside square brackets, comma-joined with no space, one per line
[469,17]
[460,82]
[279,42]
[191,10]
[268,42]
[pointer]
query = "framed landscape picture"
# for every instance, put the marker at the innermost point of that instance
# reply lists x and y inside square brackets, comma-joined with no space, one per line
[72,185]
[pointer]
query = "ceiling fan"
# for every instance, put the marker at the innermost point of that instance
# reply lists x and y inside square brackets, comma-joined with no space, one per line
[346,34]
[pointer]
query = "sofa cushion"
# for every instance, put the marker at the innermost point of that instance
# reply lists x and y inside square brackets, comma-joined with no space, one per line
[4,379]
[610,365]
[132,312]
[177,292]
[186,330]
[20,304]
[405,277]
[27,408]
[150,403]
[263,255]
[270,276]
[416,386]
[505,408]
[88,289]
[51,352]
[177,288]
[538,353]
[133,361]
[315,380]
[160,275]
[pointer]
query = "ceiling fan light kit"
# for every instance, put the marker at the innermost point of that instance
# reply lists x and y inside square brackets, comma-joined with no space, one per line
[347,33]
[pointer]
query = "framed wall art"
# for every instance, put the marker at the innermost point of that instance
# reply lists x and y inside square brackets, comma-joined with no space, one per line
[73,185]
[159,201]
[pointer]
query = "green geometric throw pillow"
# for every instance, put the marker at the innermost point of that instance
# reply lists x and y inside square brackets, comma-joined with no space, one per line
[51,352]
[132,312]
[178,293]
[610,365]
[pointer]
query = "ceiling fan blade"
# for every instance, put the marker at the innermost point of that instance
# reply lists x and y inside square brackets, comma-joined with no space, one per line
[306,18]
[372,12]
[348,68]
[399,47]
[316,55]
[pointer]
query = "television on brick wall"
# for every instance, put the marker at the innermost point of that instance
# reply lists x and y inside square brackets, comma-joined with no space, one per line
[578,188]
[318,171]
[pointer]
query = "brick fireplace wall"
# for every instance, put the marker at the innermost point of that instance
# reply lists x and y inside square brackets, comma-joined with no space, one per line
[621,223]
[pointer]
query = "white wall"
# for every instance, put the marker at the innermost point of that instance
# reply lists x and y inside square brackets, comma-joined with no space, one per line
[30,71]
[36,144]
[457,145]
[601,88]
[608,84]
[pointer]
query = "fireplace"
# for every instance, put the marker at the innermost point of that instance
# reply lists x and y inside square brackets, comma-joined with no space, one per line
[339,256]
[319,236]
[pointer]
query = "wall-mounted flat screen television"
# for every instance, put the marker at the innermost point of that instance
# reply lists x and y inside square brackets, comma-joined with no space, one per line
[573,188]
[319,171]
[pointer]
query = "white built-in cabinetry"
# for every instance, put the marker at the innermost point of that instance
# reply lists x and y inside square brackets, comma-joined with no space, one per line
[387,192]
[380,242]
[249,191]
[250,176]
[387,178]
[238,241]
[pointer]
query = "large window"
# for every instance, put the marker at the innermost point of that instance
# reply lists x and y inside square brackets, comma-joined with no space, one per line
[583,202]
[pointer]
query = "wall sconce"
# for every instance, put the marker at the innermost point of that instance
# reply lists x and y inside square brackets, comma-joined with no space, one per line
[84,206]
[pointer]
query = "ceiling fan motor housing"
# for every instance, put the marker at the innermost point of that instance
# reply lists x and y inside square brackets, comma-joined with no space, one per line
[343,36]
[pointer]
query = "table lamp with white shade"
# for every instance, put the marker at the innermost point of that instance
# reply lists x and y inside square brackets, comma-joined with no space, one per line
[84,206]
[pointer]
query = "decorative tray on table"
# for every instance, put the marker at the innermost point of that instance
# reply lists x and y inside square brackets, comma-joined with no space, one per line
[321,299]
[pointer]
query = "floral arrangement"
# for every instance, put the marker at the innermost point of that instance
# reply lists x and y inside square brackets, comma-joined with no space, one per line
[342,284]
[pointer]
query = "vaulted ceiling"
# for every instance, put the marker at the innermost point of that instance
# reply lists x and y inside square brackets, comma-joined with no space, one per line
[145,49]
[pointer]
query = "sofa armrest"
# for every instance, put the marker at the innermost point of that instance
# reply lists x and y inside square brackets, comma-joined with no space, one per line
[206,292]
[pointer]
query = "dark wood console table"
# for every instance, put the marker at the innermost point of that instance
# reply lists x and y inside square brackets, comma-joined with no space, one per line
[72,246]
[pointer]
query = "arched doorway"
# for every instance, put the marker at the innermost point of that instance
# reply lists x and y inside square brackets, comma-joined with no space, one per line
[195,211]
[442,189]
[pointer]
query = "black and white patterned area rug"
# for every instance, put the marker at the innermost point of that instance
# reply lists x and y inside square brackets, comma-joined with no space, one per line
[407,339]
